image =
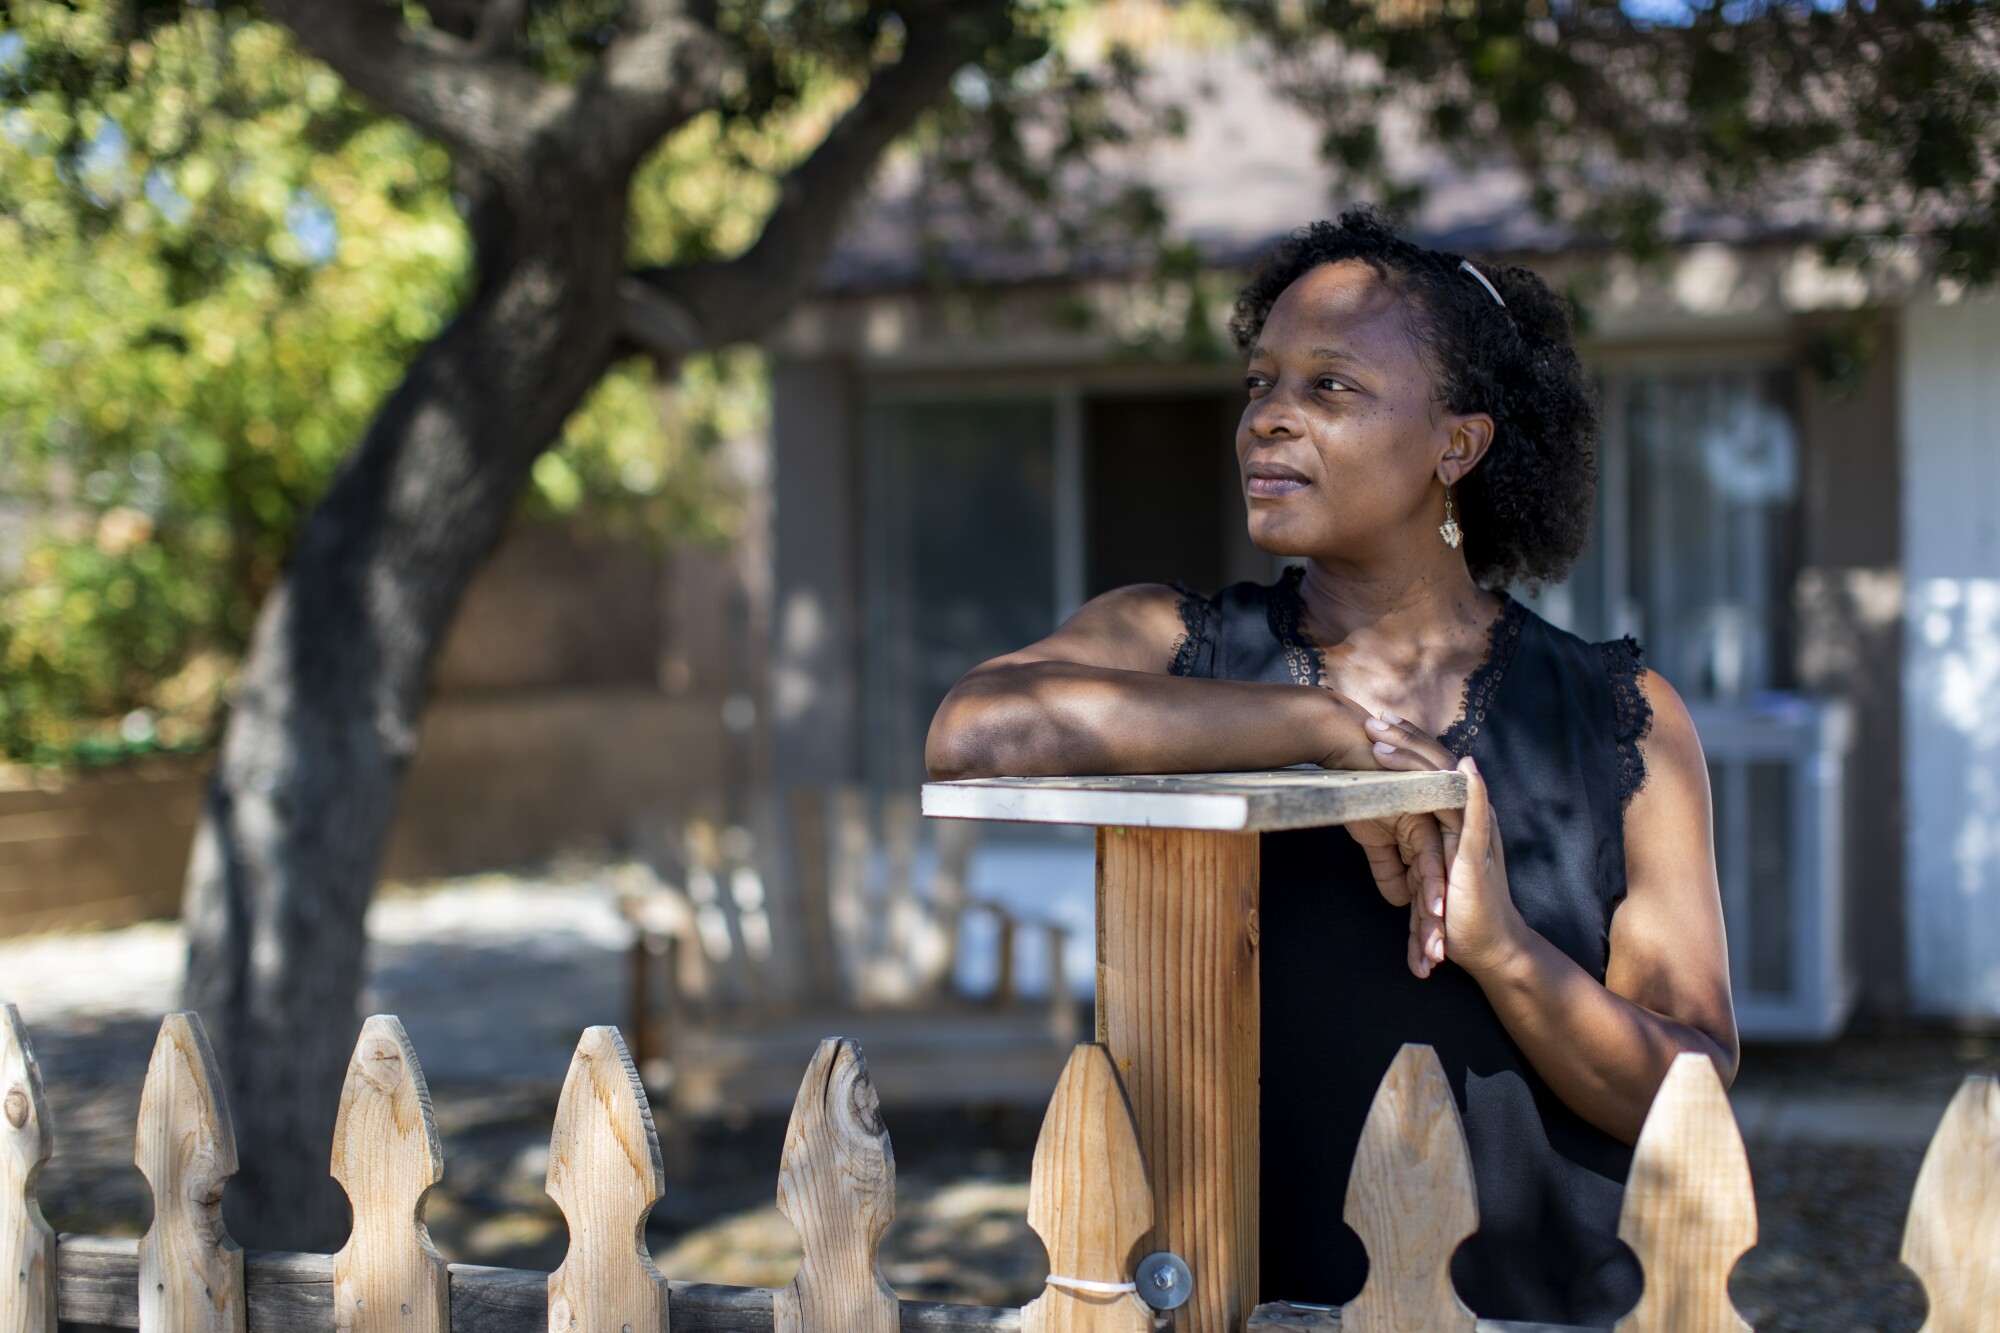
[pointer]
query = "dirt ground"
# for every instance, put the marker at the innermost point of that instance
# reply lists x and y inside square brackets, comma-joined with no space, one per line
[1831,1204]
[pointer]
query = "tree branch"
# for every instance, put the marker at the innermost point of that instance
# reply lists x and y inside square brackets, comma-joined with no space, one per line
[486,109]
[687,308]
[499,24]
[665,69]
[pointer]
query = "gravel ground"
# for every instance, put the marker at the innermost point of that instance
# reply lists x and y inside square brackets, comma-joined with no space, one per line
[494,977]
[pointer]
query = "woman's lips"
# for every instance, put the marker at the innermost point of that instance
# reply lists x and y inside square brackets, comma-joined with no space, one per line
[1275,485]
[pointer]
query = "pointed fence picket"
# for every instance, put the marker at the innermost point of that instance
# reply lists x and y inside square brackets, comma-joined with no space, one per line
[1688,1212]
[605,1175]
[1089,1202]
[27,1245]
[387,1278]
[1952,1241]
[1410,1199]
[190,1271]
[837,1185]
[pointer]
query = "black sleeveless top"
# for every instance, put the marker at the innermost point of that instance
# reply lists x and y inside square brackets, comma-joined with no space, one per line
[1555,724]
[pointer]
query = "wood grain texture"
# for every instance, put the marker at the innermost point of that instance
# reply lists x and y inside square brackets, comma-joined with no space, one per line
[1089,1201]
[1410,1198]
[605,1175]
[1284,798]
[190,1271]
[387,1278]
[1177,1006]
[1689,1213]
[27,1245]
[1952,1239]
[837,1185]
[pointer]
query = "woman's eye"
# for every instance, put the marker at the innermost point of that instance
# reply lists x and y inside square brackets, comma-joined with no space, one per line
[1255,382]
[1331,385]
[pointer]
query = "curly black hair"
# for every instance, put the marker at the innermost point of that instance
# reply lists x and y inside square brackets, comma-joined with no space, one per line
[1526,507]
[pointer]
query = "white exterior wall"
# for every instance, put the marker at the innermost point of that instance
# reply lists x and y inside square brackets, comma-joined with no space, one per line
[1951,681]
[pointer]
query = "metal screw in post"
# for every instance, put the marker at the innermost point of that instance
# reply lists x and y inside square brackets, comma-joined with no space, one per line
[1164,1281]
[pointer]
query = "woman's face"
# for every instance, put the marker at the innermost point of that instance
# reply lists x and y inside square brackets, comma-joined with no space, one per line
[1340,444]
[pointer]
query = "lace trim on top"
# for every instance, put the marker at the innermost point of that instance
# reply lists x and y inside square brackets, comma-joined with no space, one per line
[1194,628]
[1624,662]
[1287,611]
[1482,687]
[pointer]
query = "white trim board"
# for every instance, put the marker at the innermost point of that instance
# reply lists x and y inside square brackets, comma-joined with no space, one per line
[1226,802]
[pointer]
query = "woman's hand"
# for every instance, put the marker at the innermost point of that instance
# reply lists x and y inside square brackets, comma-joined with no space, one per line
[1406,853]
[1345,741]
[1483,928]
[1476,923]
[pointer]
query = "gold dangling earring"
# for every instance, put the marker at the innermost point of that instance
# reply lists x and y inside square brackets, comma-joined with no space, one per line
[1453,534]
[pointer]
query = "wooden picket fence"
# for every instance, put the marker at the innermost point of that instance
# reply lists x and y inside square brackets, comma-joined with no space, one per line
[1688,1212]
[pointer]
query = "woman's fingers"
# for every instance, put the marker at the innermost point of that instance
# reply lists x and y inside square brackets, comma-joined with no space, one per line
[1420,841]
[1394,758]
[1402,747]
[1421,849]
[1426,946]
[1476,839]
[1409,861]
[1426,940]
[1385,863]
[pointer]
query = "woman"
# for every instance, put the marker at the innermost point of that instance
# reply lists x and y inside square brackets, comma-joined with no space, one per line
[1420,433]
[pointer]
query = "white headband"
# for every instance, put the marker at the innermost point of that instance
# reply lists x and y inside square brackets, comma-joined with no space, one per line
[1491,290]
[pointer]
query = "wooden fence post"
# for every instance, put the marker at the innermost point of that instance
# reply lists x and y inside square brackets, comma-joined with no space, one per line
[190,1271]
[1177,984]
[605,1175]
[27,1245]
[1090,1202]
[1410,1198]
[1952,1239]
[837,1184]
[1689,1212]
[1177,1007]
[387,1278]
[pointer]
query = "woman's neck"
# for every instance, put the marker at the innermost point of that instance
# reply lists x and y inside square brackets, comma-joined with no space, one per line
[1415,618]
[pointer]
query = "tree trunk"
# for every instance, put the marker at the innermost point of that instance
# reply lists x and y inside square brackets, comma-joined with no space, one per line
[326,716]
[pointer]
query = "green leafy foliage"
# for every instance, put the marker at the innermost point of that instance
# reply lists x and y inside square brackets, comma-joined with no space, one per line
[1641,123]
[214,264]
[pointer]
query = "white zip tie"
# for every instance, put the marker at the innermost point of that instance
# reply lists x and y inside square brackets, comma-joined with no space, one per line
[1092,1285]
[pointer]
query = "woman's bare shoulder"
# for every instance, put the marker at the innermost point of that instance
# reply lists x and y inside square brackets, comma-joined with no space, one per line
[1668,814]
[1133,628]
[1668,740]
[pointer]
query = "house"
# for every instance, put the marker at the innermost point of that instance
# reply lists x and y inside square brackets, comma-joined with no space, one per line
[1797,516]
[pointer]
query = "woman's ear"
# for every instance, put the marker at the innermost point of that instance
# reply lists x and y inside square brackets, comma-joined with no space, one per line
[1467,444]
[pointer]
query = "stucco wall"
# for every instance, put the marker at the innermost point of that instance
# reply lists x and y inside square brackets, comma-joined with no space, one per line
[1951,698]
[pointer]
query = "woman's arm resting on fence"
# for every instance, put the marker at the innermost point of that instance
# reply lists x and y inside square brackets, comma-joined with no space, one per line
[1604,1047]
[1098,696]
